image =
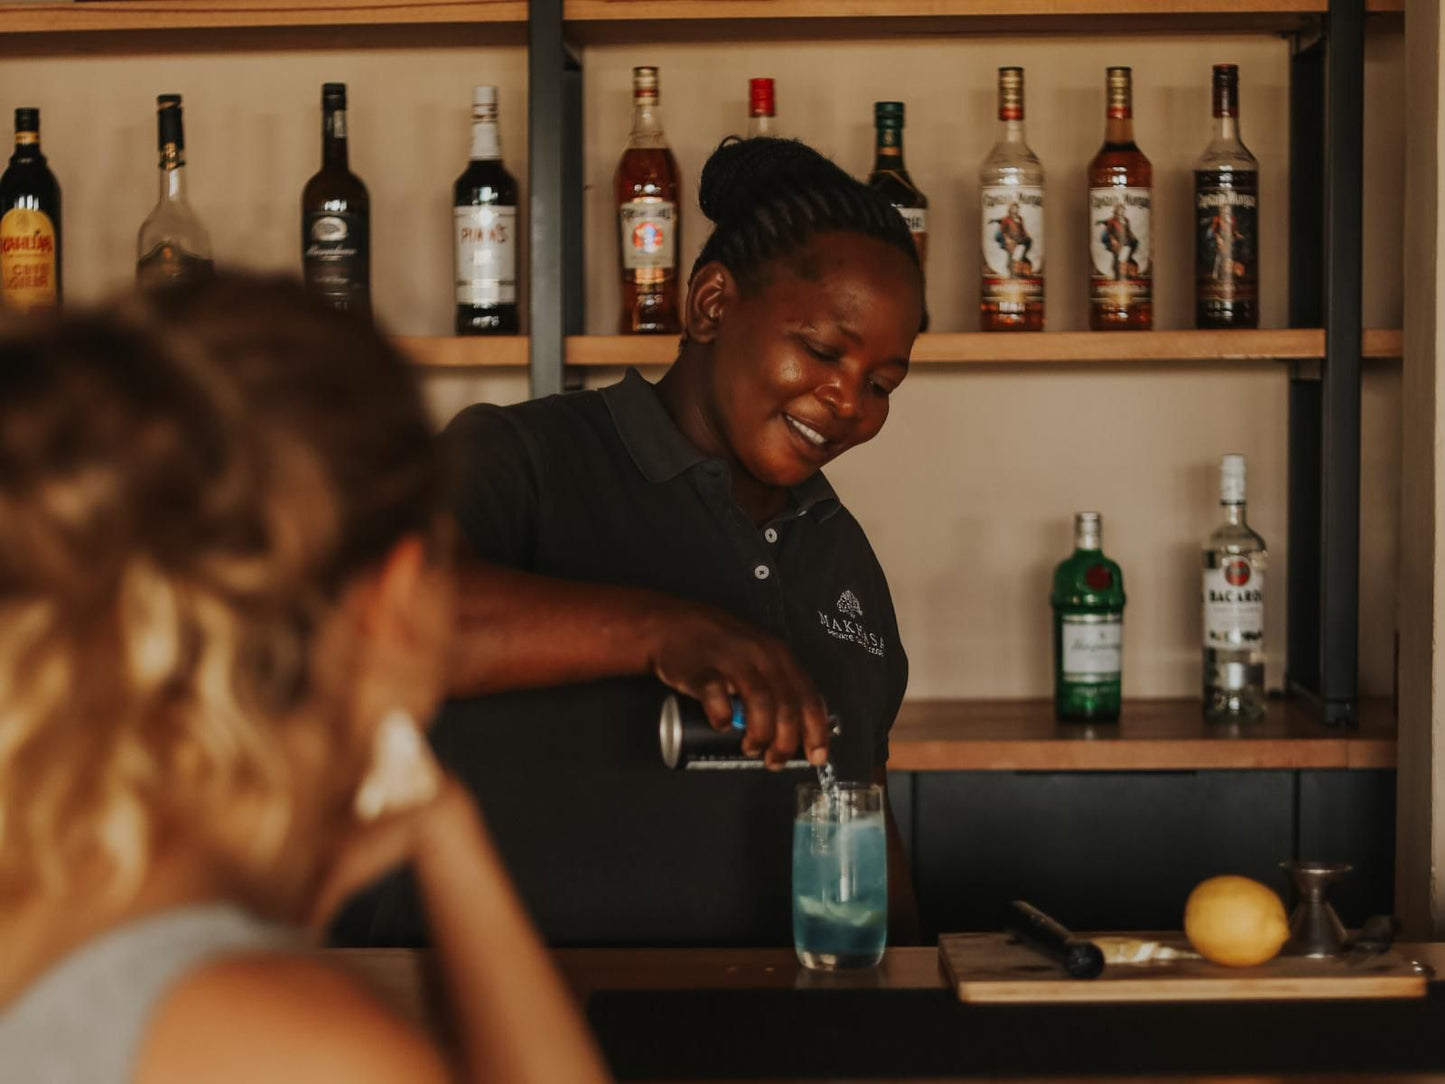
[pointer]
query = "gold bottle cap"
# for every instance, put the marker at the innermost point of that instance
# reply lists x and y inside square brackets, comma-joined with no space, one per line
[1010,94]
[644,83]
[1120,93]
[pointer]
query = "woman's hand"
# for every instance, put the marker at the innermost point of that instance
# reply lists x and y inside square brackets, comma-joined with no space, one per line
[712,656]
[374,848]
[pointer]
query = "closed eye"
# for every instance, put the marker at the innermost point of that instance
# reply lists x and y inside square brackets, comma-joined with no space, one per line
[821,352]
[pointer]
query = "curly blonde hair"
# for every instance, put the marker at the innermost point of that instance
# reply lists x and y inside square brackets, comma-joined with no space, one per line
[187,482]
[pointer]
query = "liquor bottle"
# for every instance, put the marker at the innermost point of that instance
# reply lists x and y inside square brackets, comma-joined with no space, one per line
[762,108]
[1088,604]
[647,188]
[1121,268]
[173,247]
[1226,210]
[484,213]
[890,176]
[336,218]
[29,222]
[1235,561]
[1012,186]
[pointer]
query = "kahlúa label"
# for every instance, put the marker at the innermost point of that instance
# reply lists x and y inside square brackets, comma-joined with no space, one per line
[28,259]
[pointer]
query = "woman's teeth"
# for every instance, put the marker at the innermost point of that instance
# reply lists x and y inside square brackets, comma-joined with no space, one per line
[807,432]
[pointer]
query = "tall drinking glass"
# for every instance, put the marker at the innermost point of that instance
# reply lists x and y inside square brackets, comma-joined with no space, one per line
[840,876]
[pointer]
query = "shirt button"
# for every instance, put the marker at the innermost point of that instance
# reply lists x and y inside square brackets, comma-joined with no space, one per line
[762,572]
[771,535]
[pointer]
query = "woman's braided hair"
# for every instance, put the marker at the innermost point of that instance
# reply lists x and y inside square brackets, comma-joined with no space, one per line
[768,197]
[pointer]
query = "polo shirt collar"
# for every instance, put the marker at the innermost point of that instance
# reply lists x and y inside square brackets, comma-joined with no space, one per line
[662,452]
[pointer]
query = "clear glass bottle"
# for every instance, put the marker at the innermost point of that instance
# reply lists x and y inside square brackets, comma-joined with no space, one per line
[484,218]
[1235,561]
[647,186]
[762,108]
[1226,210]
[172,247]
[1088,604]
[1011,187]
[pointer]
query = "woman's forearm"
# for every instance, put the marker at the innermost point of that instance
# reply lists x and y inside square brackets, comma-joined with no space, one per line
[514,1016]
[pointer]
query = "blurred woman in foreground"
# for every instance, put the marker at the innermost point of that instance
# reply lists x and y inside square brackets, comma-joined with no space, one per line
[223,614]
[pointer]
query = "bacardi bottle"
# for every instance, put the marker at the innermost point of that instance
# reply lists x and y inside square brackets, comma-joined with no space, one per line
[1088,604]
[1011,184]
[1235,560]
[1226,213]
[890,176]
[762,108]
[647,187]
[1121,237]
[172,246]
[29,222]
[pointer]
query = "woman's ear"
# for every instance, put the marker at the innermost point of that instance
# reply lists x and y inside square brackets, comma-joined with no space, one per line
[709,293]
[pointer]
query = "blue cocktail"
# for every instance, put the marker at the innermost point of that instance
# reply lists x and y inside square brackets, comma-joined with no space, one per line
[840,876]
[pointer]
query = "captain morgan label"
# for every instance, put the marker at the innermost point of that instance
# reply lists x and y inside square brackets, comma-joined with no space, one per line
[1013,245]
[1120,245]
[1226,243]
[27,259]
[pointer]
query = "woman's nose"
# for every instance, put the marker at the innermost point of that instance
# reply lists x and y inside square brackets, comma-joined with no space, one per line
[843,396]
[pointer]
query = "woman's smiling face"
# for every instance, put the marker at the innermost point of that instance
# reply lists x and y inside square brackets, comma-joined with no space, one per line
[804,361]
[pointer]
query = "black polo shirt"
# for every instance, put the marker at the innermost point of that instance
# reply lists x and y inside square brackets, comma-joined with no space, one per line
[608,846]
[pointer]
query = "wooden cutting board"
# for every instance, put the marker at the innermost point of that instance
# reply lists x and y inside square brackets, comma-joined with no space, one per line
[992,967]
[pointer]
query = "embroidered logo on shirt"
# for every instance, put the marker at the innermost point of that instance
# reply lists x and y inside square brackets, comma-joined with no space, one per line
[849,627]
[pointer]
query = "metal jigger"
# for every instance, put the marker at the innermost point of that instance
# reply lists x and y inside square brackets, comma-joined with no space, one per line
[1314,928]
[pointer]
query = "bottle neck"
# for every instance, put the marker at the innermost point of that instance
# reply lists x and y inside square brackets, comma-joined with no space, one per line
[1119,130]
[1011,131]
[173,177]
[1088,538]
[333,137]
[646,117]
[1233,512]
[27,147]
[486,140]
[888,151]
[762,124]
[1226,129]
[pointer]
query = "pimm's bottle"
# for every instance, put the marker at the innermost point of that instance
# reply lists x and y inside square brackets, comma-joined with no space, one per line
[484,212]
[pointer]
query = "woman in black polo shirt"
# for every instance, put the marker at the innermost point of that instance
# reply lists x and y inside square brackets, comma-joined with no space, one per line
[702,489]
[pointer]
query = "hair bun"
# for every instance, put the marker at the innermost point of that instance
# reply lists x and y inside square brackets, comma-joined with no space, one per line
[740,173]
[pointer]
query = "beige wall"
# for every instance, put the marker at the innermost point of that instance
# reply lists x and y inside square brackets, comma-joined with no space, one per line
[1420,838]
[969,491]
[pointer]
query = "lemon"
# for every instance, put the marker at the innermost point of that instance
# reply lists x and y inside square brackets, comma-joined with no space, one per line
[1235,921]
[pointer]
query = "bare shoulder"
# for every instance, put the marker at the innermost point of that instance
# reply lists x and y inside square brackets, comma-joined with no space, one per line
[281,1018]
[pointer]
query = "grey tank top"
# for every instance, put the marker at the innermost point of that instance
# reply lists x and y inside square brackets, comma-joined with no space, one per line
[83,1021]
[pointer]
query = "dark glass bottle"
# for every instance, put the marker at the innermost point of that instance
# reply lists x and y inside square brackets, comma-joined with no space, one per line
[30,265]
[1121,236]
[647,187]
[1088,605]
[1226,211]
[336,218]
[890,176]
[172,246]
[484,212]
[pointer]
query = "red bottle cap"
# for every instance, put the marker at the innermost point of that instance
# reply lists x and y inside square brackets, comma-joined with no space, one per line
[760,98]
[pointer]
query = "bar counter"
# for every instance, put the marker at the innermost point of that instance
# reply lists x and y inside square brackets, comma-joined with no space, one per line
[756,1015]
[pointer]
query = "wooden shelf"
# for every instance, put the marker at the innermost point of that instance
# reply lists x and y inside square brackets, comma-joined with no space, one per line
[1152,735]
[605,20]
[471,352]
[1053,347]
[193,14]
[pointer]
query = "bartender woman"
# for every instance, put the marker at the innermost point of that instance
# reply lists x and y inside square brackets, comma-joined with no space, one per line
[684,531]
